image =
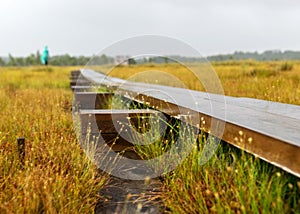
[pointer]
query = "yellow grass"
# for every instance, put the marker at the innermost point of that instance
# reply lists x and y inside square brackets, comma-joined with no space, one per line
[262,80]
[35,103]
[56,177]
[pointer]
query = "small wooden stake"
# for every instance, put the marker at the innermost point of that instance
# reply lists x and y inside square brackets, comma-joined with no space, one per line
[21,149]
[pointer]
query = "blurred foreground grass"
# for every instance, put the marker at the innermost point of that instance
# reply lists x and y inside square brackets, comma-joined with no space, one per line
[35,103]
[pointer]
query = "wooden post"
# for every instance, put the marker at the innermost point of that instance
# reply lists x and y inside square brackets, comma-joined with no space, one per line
[21,150]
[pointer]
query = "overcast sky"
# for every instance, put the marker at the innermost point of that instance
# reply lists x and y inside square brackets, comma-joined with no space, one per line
[85,27]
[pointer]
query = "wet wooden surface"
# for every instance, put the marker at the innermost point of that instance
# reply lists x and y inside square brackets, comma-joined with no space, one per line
[267,129]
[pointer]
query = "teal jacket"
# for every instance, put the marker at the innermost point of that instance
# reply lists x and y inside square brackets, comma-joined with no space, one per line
[45,55]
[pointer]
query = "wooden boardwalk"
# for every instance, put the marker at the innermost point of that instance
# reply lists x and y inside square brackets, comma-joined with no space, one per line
[266,129]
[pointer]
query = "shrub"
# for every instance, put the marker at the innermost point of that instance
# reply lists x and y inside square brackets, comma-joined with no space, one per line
[286,66]
[262,72]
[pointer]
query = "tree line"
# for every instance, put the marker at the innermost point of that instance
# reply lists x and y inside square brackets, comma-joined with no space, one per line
[67,60]
[264,56]
[57,60]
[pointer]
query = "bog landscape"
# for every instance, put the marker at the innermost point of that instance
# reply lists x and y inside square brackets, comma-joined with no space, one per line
[56,176]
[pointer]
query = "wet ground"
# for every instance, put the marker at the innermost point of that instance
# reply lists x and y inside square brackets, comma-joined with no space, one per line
[127,196]
[131,196]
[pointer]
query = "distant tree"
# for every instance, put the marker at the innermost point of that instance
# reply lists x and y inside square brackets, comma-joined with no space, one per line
[12,61]
[31,60]
[38,58]
[20,61]
[166,59]
[101,60]
[145,60]
[131,61]
[2,62]
[82,60]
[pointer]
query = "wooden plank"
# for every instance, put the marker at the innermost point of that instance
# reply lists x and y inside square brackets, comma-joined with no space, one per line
[269,130]
[93,100]
[116,127]
[79,82]
[111,121]
[77,79]
[82,88]
[113,140]
[75,73]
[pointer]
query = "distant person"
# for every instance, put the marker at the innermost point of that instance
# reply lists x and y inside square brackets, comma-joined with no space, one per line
[45,56]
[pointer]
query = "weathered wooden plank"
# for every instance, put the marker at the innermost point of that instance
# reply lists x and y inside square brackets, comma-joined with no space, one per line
[112,120]
[115,127]
[75,73]
[82,88]
[113,140]
[77,79]
[79,82]
[93,100]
